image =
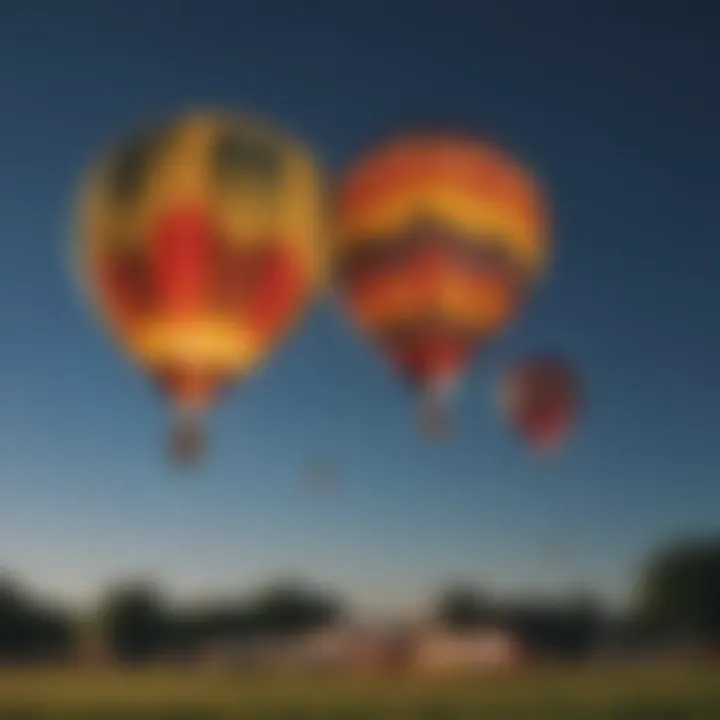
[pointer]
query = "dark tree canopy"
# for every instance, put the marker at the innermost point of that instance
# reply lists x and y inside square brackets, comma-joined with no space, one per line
[290,607]
[135,621]
[462,607]
[680,590]
[29,629]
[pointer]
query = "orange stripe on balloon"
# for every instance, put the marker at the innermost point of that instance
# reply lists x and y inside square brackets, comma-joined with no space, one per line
[468,169]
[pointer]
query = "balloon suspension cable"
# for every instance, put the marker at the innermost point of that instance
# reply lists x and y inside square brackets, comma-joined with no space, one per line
[436,411]
[187,438]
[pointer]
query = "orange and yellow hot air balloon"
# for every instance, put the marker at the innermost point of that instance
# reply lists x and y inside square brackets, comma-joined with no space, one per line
[438,239]
[199,242]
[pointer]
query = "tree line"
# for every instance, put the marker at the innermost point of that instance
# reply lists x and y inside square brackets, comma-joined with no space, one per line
[678,597]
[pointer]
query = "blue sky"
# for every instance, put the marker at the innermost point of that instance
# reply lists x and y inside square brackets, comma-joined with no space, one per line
[614,105]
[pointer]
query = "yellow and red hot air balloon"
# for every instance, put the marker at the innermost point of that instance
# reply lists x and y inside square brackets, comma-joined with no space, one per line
[199,241]
[438,239]
[541,397]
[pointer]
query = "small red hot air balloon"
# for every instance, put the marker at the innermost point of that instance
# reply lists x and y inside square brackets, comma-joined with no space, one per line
[541,396]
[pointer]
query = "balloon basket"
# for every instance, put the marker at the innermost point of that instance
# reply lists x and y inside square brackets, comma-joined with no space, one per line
[187,441]
[435,419]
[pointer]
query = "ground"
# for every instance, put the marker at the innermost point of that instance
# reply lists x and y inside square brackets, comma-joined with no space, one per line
[573,693]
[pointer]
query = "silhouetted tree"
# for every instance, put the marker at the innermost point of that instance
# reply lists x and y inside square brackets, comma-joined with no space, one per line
[212,622]
[135,622]
[30,630]
[462,608]
[567,629]
[679,593]
[290,607]
[13,620]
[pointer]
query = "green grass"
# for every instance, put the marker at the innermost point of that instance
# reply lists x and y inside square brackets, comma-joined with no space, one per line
[574,694]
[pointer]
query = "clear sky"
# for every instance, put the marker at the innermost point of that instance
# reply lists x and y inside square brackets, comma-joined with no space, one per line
[615,105]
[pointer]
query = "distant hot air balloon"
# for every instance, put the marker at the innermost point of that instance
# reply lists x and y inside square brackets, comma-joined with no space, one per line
[541,397]
[198,243]
[323,477]
[438,239]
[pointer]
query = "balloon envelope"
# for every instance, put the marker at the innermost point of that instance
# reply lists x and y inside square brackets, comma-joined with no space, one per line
[439,237]
[198,241]
[541,397]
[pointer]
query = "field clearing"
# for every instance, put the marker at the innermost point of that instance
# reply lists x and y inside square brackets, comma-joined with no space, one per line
[573,693]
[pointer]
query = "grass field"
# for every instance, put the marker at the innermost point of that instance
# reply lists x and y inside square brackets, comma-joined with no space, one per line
[575,693]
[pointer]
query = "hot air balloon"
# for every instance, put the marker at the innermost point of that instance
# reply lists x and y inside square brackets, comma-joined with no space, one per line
[438,239]
[198,242]
[323,477]
[541,397]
